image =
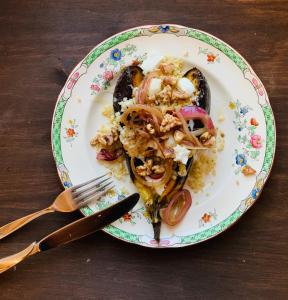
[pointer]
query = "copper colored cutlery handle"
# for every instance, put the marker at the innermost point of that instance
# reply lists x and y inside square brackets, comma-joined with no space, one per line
[14,225]
[12,260]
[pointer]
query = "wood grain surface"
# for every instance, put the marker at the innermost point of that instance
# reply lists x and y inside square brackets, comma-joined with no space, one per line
[40,42]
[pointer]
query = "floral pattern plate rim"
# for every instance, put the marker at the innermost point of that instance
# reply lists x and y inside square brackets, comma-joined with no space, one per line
[237,94]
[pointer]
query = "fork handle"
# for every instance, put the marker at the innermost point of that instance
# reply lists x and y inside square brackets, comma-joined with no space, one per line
[15,225]
[12,260]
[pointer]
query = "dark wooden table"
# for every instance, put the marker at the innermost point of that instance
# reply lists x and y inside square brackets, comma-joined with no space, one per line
[40,42]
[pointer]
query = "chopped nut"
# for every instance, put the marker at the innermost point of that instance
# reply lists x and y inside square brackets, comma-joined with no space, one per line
[149,163]
[205,137]
[169,122]
[165,94]
[105,139]
[166,68]
[158,169]
[145,170]
[94,141]
[178,136]
[169,153]
[211,142]
[178,95]
[150,128]
[169,80]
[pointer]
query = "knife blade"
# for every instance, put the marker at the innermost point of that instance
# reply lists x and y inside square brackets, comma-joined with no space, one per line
[88,225]
[73,231]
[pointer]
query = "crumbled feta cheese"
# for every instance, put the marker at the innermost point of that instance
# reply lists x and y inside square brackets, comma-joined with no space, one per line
[126,134]
[151,63]
[186,86]
[117,118]
[155,86]
[122,135]
[126,103]
[181,154]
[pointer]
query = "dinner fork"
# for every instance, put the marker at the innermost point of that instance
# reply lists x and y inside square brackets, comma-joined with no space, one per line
[68,201]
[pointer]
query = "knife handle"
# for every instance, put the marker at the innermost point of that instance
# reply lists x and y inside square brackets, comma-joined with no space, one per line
[15,225]
[12,260]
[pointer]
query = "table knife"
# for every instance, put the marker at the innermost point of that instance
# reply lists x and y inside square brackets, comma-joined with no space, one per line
[73,231]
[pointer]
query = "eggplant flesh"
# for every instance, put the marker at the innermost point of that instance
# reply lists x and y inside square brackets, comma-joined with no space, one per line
[132,77]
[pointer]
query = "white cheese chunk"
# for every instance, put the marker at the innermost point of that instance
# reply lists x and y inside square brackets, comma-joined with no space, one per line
[181,154]
[126,103]
[155,86]
[186,86]
[151,62]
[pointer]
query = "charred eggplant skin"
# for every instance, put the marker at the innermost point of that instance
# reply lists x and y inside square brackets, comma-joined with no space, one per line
[200,82]
[130,77]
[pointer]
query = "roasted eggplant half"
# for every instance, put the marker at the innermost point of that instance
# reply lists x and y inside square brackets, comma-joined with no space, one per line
[157,200]
[200,83]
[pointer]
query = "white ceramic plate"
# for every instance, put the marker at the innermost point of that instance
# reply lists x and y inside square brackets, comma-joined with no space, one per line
[236,93]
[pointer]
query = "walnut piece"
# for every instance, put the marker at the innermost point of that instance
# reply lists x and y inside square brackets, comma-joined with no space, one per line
[178,95]
[169,80]
[169,153]
[207,139]
[105,139]
[143,171]
[178,136]
[166,68]
[211,142]
[165,94]
[150,128]
[146,169]
[158,169]
[169,122]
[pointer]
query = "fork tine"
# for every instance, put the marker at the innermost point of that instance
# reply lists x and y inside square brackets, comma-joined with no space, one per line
[75,187]
[78,193]
[92,192]
[99,195]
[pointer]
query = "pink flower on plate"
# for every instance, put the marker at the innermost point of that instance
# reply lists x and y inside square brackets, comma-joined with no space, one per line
[108,75]
[256,141]
[95,87]
[72,80]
